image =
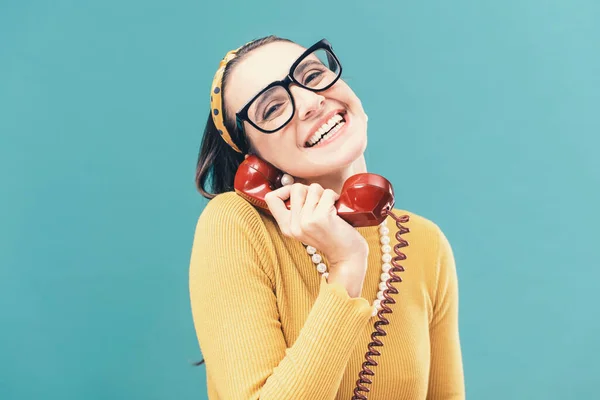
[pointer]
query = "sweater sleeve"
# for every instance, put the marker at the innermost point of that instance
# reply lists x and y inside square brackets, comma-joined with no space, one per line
[236,317]
[446,380]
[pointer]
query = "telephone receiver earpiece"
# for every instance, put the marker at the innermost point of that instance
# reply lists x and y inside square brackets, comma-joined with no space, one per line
[364,200]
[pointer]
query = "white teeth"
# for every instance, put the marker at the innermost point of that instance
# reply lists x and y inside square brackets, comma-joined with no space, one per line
[324,128]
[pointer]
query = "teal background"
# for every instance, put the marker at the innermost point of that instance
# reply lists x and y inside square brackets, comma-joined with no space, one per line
[492,110]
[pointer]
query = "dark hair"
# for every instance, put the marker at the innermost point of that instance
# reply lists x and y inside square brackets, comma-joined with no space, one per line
[216,160]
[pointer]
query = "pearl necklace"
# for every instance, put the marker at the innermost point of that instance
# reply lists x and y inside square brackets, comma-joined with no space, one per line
[386,257]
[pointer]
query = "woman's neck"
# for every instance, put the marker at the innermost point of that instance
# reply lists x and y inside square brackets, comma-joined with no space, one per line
[335,181]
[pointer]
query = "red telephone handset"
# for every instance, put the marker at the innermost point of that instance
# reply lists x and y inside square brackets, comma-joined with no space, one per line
[365,198]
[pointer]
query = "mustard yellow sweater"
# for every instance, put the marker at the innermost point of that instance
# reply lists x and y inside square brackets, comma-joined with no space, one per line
[270,327]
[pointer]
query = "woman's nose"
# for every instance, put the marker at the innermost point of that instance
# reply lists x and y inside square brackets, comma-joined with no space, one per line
[307,102]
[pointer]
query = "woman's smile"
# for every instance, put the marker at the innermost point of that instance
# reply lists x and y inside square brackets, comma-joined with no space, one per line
[336,127]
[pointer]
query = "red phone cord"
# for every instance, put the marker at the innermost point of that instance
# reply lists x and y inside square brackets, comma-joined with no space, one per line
[366,372]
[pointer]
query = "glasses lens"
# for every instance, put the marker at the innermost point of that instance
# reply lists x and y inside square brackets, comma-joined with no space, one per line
[272,109]
[317,70]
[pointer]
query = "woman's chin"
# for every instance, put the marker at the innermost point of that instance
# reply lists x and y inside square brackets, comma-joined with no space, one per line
[325,160]
[334,158]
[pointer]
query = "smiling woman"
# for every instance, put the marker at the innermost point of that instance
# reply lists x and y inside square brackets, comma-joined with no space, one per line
[268,324]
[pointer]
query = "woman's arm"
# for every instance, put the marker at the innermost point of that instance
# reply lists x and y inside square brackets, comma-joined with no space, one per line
[446,380]
[237,322]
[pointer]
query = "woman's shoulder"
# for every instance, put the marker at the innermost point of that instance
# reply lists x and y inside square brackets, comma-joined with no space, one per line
[230,212]
[229,206]
[422,230]
[227,202]
[428,252]
[417,220]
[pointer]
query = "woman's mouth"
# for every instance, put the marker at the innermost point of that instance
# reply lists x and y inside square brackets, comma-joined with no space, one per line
[328,130]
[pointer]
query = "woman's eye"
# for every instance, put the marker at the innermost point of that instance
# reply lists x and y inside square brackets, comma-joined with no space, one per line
[270,111]
[312,76]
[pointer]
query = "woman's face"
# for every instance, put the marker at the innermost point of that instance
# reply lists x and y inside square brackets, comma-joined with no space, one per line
[287,148]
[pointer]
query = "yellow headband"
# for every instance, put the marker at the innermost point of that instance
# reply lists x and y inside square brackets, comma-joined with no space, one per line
[216,101]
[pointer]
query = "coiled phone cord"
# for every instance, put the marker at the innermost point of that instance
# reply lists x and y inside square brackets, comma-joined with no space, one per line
[366,372]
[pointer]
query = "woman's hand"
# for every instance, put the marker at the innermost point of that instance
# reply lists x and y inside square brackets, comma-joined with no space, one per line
[313,220]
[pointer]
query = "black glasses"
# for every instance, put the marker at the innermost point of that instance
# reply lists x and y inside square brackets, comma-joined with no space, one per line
[272,108]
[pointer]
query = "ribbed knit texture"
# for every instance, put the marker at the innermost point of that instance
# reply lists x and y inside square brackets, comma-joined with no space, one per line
[270,327]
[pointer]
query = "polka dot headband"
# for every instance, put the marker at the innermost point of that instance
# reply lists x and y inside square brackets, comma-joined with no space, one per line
[216,100]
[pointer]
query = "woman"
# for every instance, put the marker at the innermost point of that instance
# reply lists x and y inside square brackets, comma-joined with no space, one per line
[270,325]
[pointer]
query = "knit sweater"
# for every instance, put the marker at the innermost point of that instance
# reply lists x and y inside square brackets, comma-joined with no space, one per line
[271,327]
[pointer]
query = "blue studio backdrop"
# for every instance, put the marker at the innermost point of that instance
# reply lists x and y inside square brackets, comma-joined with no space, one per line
[493,111]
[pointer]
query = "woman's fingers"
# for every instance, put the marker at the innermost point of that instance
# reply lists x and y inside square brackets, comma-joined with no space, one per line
[306,203]
[297,198]
[326,203]
[275,201]
[312,198]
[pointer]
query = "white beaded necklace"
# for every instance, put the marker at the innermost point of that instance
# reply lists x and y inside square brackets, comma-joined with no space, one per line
[386,257]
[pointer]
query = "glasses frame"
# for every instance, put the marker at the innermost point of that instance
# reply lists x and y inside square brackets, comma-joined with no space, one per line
[242,115]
